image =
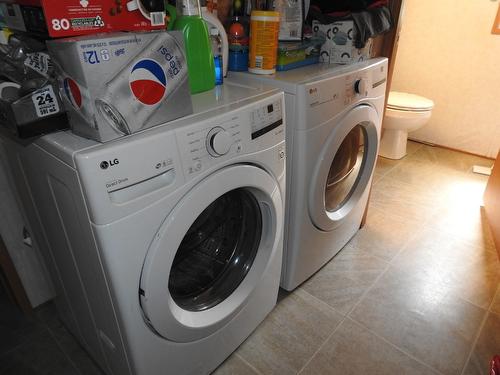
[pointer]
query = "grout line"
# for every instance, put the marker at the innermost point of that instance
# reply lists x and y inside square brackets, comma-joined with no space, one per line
[247,363]
[321,301]
[395,346]
[415,234]
[322,345]
[479,331]
[497,294]
[369,289]
[63,351]
[346,316]
[389,265]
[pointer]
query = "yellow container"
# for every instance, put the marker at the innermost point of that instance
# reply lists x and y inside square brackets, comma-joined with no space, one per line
[264,30]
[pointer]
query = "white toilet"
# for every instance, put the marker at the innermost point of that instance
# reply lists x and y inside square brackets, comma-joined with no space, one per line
[404,113]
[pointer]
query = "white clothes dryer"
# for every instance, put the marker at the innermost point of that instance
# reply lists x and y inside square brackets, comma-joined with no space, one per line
[333,131]
[167,243]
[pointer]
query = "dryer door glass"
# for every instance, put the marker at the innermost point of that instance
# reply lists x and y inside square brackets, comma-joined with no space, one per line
[217,251]
[345,169]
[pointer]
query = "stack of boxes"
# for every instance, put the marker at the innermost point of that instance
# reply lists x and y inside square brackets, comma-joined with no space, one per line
[110,82]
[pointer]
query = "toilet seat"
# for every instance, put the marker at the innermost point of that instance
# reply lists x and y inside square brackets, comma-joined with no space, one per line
[402,101]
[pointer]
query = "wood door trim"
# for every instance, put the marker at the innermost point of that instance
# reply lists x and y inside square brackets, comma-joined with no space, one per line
[13,280]
[389,50]
[492,203]
[496,24]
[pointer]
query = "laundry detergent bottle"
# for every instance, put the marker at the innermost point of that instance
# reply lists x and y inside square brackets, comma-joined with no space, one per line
[200,59]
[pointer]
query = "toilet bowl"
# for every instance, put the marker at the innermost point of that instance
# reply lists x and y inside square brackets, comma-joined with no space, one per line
[404,113]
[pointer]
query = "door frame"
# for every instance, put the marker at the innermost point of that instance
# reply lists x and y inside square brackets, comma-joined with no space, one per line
[11,281]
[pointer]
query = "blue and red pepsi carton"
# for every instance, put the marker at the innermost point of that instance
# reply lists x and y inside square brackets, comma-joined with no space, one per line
[121,83]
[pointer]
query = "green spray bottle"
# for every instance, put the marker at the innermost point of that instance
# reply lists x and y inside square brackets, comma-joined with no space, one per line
[201,68]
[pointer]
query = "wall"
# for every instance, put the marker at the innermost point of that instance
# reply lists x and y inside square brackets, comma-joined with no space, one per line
[448,54]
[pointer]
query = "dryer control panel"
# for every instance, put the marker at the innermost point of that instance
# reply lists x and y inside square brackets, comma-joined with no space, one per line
[329,97]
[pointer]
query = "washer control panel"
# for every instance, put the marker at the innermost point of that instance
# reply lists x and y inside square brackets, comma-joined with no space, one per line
[244,130]
[218,141]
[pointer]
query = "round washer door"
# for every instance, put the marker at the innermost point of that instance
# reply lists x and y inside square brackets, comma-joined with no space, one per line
[345,166]
[211,252]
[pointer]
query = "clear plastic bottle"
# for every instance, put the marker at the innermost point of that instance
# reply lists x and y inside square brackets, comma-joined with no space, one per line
[216,42]
[238,38]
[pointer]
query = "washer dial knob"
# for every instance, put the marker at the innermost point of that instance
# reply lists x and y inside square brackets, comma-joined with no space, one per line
[360,86]
[218,142]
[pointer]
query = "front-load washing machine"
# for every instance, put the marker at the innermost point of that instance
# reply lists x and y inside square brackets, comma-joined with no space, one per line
[166,244]
[333,131]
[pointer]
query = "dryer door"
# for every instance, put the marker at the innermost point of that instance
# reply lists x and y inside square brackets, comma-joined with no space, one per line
[211,252]
[345,167]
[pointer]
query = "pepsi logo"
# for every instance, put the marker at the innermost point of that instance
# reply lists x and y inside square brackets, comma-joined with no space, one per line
[148,82]
[73,92]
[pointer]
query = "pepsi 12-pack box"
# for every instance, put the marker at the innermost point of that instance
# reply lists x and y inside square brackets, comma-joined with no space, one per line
[120,83]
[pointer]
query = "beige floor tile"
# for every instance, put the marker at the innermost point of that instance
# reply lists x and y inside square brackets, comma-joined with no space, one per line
[234,365]
[487,346]
[466,222]
[403,200]
[420,316]
[463,191]
[353,349]
[385,234]
[342,281]
[384,165]
[495,306]
[412,147]
[376,177]
[469,271]
[453,160]
[429,176]
[290,335]
[470,369]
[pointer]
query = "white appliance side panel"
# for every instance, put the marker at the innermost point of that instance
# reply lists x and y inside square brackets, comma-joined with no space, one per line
[65,312]
[27,259]
[64,217]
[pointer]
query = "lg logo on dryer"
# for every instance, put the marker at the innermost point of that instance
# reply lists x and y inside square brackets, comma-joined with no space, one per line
[105,164]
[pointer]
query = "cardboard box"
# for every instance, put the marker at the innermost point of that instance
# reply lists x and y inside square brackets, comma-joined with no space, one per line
[37,113]
[120,83]
[339,47]
[83,17]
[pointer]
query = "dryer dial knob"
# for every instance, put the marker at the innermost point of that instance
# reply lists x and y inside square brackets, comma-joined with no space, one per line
[360,86]
[218,142]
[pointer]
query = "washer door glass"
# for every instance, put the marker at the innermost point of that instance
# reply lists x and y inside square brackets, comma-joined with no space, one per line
[345,166]
[345,169]
[213,250]
[217,251]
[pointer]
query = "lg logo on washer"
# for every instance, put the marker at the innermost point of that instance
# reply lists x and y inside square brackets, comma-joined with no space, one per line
[105,164]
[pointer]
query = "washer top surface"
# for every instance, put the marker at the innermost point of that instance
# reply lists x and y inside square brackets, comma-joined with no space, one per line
[229,96]
[409,102]
[290,79]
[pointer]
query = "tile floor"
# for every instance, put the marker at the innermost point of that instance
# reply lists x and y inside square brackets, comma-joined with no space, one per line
[39,344]
[416,291]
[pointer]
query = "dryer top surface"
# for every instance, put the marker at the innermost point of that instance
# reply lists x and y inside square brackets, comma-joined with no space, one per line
[290,79]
